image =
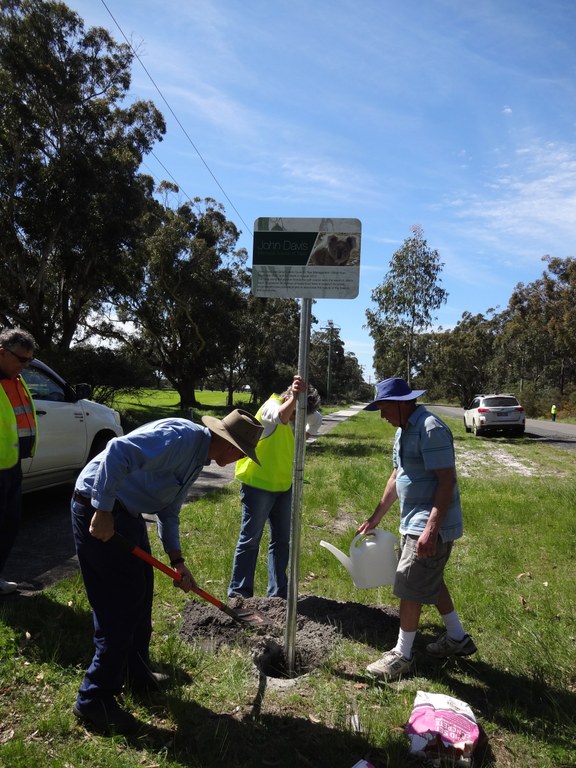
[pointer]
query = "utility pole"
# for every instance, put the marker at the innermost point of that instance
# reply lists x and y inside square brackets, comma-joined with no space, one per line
[330,328]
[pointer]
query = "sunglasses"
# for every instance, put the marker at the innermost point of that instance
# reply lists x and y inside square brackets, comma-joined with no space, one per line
[23,360]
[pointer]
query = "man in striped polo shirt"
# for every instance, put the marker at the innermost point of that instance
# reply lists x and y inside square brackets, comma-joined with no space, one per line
[424,482]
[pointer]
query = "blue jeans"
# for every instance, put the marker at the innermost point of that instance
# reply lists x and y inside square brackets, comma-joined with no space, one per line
[259,506]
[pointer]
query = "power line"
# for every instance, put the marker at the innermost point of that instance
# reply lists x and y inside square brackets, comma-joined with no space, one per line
[155,156]
[184,131]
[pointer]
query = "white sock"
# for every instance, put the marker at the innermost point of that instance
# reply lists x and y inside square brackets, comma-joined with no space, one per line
[453,626]
[404,643]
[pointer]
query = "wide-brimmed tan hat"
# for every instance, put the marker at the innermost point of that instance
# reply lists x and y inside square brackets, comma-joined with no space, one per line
[240,428]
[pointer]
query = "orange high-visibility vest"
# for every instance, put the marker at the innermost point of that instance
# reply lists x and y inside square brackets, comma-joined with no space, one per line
[17,419]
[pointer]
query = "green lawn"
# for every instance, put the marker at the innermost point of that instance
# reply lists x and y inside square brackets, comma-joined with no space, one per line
[162,403]
[511,575]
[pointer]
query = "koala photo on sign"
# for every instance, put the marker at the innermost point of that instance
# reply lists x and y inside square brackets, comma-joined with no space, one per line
[333,250]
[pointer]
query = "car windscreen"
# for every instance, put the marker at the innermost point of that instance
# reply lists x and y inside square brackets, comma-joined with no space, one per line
[498,402]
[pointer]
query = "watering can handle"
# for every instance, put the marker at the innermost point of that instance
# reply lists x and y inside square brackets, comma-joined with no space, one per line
[371,532]
[361,536]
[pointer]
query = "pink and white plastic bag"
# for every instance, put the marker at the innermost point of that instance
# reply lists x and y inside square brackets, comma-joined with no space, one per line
[441,727]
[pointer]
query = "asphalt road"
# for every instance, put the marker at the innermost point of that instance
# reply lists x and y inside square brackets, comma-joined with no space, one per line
[44,551]
[550,432]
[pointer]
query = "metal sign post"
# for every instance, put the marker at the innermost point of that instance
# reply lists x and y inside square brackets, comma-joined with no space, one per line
[297,487]
[303,259]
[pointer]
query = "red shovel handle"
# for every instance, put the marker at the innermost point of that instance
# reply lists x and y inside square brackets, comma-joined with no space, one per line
[119,540]
[134,549]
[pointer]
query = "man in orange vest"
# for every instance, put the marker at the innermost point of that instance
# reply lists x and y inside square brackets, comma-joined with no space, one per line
[18,431]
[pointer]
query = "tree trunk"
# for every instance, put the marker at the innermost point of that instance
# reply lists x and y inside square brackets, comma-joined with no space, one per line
[187,397]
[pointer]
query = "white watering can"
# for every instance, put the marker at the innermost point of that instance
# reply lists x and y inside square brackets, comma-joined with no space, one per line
[372,561]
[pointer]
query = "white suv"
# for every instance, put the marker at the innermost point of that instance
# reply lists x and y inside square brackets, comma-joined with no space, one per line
[495,413]
[71,429]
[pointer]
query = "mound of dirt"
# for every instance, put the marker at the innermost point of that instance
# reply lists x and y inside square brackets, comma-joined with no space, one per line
[320,622]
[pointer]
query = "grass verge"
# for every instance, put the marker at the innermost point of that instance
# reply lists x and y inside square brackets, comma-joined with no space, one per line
[511,577]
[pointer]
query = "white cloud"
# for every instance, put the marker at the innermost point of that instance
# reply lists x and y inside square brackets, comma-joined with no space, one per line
[533,201]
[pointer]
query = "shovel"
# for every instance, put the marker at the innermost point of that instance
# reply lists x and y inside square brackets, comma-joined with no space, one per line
[243,616]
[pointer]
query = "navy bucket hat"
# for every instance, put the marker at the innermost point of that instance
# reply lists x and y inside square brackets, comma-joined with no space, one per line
[393,389]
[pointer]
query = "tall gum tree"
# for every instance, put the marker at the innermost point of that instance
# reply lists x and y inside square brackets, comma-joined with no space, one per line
[189,309]
[405,302]
[72,202]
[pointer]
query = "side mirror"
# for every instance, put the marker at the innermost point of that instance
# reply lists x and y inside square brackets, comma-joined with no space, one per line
[83,391]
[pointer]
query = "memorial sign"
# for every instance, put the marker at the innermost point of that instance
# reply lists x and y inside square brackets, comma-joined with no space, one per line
[306,258]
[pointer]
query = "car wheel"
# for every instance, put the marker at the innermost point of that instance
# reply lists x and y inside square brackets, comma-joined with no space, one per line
[476,429]
[466,427]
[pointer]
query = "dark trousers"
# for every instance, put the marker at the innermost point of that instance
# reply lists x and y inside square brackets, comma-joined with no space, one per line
[10,510]
[120,589]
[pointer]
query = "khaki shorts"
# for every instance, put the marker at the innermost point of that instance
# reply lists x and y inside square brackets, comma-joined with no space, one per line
[418,579]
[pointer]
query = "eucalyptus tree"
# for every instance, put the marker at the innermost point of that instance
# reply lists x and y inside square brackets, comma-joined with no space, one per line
[459,360]
[269,344]
[523,348]
[560,290]
[336,373]
[188,311]
[389,350]
[327,361]
[534,349]
[351,385]
[72,201]
[407,298]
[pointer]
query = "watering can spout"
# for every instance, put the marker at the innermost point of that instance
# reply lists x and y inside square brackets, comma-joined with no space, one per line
[344,559]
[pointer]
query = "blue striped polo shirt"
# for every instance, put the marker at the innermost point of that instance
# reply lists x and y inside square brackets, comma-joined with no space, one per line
[422,446]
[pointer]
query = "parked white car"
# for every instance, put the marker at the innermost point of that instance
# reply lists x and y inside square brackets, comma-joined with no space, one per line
[495,413]
[71,428]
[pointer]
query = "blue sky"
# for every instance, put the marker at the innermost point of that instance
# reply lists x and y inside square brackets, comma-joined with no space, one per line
[459,117]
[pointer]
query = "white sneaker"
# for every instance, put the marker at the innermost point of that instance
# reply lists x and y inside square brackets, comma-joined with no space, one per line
[6,587]
[445,646]
[390,667]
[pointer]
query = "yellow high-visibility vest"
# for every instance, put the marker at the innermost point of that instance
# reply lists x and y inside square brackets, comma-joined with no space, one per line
[276,455]
[9,442]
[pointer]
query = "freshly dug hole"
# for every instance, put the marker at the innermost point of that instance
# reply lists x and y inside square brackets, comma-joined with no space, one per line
[270,659]
[320,622]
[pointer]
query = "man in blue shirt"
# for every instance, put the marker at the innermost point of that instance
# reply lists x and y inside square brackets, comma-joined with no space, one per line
[424,481]
[148,471]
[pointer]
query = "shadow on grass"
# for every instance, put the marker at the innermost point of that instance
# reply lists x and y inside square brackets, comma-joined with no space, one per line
[135,417]
[50,632]
[247,738]
[377,627]
[202,737]
[47,630]
[514,703]
[518,703]
[342,446]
